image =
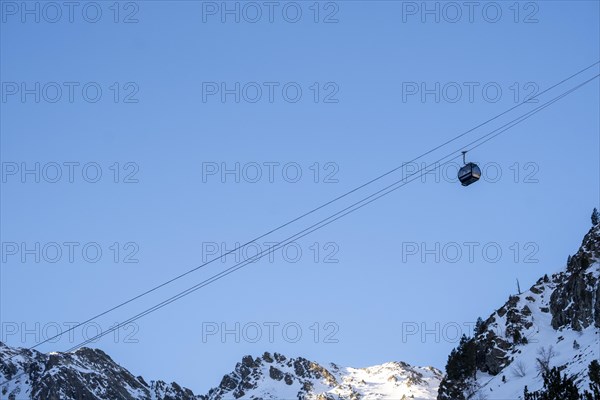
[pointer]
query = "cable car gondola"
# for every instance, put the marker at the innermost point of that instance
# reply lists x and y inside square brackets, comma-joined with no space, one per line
[469,173]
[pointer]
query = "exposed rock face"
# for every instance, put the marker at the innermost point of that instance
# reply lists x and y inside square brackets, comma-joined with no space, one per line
[494,346]
[249,374]
[576,300]
[493,353]
[86,374]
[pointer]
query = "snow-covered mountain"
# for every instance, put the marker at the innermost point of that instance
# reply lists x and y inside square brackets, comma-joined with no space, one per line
[555,323]
[277,377]
[86,374]
[92,374]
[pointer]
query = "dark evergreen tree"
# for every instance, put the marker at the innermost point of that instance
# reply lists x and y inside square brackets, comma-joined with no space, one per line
[585,262]
[556,387]
[461,369]
[451,385]
[594,374]
[479,326]
[595,217]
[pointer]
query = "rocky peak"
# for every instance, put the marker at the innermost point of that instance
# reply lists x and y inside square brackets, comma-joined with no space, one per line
[571,297]
[575,302]
[251,372]
[277,376]
[564,305]
[86,374]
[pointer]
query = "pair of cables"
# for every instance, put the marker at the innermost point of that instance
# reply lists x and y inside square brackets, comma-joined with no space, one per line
[332,218]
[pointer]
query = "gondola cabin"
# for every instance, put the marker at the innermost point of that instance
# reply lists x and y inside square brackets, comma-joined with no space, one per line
[469,173]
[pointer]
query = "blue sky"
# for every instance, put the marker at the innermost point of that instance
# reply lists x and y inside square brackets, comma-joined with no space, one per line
[163,123]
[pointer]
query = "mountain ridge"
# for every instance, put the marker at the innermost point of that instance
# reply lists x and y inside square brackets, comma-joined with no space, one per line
[90,374]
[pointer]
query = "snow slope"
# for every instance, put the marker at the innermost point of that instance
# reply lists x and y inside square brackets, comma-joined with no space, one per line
[522,369]
[557,320]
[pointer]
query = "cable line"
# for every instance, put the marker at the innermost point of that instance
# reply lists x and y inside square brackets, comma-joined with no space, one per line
[348,210]
[153,289]
[340,214]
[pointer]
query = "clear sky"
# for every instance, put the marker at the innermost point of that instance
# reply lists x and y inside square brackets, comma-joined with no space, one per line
[187,91]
